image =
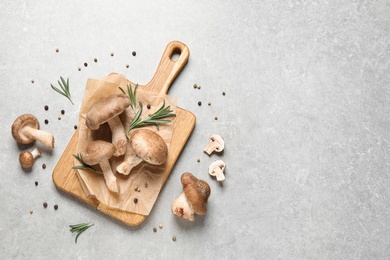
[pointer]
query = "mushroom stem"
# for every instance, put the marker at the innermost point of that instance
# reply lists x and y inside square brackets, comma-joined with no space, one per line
[211,147]
[219,174]
[109,176]
[118,136]
[130,161]
[43,137]
[36,152]
[182,208]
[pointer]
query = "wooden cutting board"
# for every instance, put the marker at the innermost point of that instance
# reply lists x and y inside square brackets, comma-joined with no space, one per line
[65,178]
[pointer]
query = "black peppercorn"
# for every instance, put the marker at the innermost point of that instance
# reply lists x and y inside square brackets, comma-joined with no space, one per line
[135,200]
[56,207]
[62,112]
[43,166]
[75,127]
[154,229]
[36,183]
[95,60]
[46,107]
[85,64]
[199,103]
[223,93]
[148,106]
[45,205]
[134,53]
[46,121]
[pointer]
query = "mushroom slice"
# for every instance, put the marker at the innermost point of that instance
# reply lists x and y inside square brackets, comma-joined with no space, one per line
[25,130]
[145,145]
[107,109]
[216,144]
[99,152]
[26,158]
[216,169]
[194,198]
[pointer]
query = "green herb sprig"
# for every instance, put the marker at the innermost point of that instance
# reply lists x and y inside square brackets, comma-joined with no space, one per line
[153,119]
[64,85]
[132,95]
[79,228]
[83,164]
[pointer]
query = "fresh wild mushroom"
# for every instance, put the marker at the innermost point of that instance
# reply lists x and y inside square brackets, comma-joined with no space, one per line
[25,130]
[26,158]
[194,198]
[144,145]
[107,109]
[216,144]
[99,152]
[216,169]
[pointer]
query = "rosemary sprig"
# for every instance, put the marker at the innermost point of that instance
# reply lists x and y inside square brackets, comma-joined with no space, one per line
[83,164]
[64,88]
[79,228]
[153,119]
[132,95]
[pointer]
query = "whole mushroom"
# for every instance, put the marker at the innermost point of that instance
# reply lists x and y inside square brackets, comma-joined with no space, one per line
[194,198]
[25,130]
[107,109]
[216,144]
[99,152]
[26,158]
[216,169]
[144,145]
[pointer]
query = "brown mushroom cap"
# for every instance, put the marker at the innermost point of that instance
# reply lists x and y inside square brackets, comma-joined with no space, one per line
[149,146]
[98,151]
[197,192]
[106,108]
[19,124]
[26,159]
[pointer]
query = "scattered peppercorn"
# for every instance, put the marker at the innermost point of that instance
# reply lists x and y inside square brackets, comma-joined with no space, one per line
[56,207]
[32,81]
[216,117]
[160,226]
[127,65]
[57,50]
[148,106]
[31,212]
[209,103]
[46,107]
[195,86]
[112,54]
[75,127]
[134,53]
[174,238]
[95,60]
[223,93]
[135,200]
[85,64]
[199,103]
[154,230]
[146,185]
[62,112]
[79,69]
[43,166]
[59,118]
[46,121]
[198,160]
[45,205]
[198,86]
[36,183]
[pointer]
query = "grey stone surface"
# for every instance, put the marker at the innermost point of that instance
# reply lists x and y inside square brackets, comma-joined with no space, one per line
[305,119]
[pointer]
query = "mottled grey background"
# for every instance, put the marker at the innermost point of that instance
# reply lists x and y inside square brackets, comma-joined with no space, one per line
[305,119]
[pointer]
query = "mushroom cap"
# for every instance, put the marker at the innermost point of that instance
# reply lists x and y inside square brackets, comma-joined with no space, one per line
[149,146]
[106,108]
[26,159]
[197,192]
[19,124]
[217,139]
[216,164]
[98,151]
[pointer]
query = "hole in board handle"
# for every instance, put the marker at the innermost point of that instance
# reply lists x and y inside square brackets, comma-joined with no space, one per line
[175,54]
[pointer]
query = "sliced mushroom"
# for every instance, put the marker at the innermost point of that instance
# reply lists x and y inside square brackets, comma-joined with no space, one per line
[217,169]
[26,158]
[216,144]
[194,198]
[107,110]
[25,130]
[99,152]
[144,145]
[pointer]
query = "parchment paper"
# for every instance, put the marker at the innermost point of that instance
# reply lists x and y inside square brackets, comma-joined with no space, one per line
[145,181]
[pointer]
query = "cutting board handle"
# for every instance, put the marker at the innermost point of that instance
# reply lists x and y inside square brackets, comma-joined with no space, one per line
[169,68]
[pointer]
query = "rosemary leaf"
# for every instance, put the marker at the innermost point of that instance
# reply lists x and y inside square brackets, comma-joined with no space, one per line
[79,228]
[83,164]
[64,85]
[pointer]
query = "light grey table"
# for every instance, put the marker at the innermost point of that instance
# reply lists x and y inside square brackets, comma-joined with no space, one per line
[305,118]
